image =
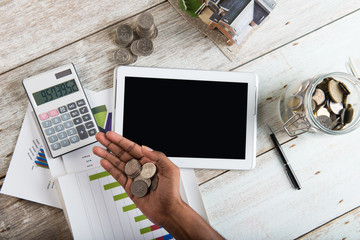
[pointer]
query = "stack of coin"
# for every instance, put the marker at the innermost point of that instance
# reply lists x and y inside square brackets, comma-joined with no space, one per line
[145,26]
[124,57]
[142,47]
[144,177]
[124,35]
[332,110]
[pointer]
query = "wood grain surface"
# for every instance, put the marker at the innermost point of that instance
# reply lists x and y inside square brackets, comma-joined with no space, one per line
[299,41]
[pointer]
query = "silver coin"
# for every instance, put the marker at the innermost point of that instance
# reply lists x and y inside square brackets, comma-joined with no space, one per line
[124,34]
[295,102]
[348,115]
[346,91]
[147,180]
[139,188]
[335,91]
[313,104]
[323,112]
[154,182]
[148,170]
[145,21]
[133,168]
[123,56]
[325,121]
[145,46]
[134,48]
[319,96]
[336,107]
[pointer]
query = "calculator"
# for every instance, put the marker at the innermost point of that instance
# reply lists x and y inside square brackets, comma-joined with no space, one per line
[61,109]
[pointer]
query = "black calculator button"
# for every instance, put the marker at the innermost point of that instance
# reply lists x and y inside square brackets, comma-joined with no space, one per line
[55,146]
[86,117]
[56,120]
[71,131]
[82,132]
[77,121]
[71,106]
[46,124]
[74,139]
[65,116]
[84,110]
[62,109]
[89,125]
[49,131]
[74,113]
[80,102]
[92,132]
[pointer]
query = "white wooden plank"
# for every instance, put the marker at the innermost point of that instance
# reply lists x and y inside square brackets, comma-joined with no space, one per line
[30,29]
[345,227]
[261,203]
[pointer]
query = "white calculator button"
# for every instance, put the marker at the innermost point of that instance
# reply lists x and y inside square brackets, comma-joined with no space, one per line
[65,142]
[52,138]
[55,146]
[74,113]
[80,102]
[62,109]
[71,106]
[59,128]
[56,120]
[71,131]
[49,131]
[46,124]
[62,135]
[65,116]
[53,113]
[43,116]
[74,139]
[84,110]
[68,124]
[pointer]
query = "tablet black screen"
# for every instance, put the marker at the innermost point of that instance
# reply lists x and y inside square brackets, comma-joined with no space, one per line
[187,118]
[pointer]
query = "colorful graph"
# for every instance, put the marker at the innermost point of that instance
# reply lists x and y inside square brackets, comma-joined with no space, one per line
[102,117]
[129,206]
[40,160]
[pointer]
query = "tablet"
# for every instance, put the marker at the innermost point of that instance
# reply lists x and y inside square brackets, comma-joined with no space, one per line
[199,119]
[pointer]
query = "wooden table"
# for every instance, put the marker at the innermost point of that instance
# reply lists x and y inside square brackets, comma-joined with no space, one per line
[300,40]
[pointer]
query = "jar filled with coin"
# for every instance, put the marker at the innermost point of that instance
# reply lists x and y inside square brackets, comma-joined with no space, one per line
[329,104]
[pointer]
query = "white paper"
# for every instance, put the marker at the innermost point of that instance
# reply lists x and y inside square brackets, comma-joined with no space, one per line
[26,178]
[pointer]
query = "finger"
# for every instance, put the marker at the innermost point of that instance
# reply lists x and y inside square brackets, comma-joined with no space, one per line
[116,173]
[108,156]
[160,158]
[128,146]
[116,150]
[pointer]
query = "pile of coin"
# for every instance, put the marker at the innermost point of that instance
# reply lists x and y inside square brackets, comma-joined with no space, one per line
[329,103]
[134,43]
[144,177]
[145,26]
[332,110]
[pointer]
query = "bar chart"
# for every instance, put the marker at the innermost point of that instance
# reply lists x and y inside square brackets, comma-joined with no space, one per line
[111,213]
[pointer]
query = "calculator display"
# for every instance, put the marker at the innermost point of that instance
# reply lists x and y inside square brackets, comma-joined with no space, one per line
[55,92]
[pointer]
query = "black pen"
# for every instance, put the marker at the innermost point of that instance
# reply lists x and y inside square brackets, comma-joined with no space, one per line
[288,169]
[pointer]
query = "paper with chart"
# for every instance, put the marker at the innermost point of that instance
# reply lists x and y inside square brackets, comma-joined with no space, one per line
[28,176]
[83,159]
[98,208]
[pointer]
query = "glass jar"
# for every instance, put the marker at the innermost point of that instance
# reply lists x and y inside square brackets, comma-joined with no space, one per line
[330,103]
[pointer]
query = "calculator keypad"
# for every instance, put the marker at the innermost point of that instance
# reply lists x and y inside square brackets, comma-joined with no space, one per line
[63,128]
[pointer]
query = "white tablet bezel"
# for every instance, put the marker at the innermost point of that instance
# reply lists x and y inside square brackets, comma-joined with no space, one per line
[250,78]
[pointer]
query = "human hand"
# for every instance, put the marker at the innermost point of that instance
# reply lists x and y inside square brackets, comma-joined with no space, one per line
[157,205]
